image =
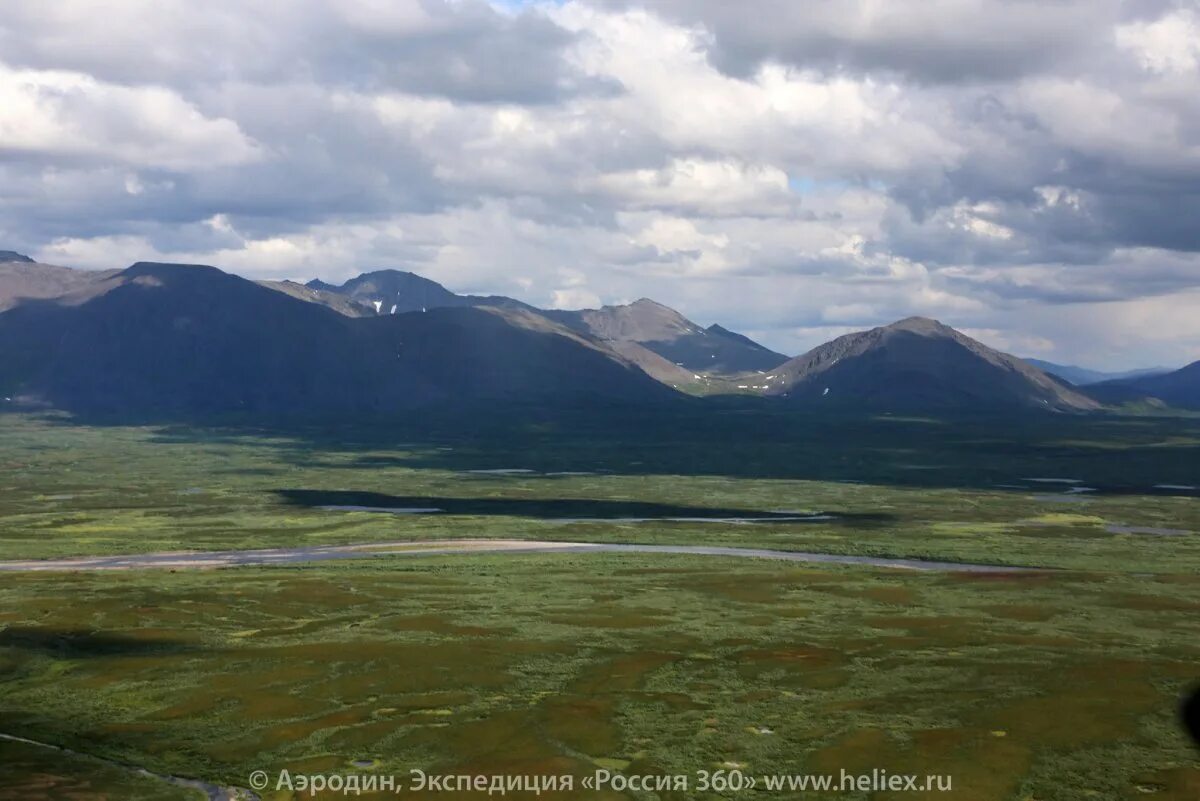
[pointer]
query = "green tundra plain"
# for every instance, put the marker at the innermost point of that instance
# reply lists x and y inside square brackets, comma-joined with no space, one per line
[1046,685]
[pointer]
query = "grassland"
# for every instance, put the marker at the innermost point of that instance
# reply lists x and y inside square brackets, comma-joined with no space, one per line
[1052,686]
[904,488]
[1021,686]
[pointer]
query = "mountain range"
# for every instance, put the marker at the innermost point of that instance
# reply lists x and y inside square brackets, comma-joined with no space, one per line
[166,340]
[657,328]
[1180,388]
[22,279]
[1083,376]
[169,340]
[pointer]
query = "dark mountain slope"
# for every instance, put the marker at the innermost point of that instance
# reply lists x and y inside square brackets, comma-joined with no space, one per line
[508,354]
[919,364]
[1180,388]
[180,341]
[684,348]
[677,339]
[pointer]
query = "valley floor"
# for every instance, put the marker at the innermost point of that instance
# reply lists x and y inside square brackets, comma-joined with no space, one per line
[1051,685]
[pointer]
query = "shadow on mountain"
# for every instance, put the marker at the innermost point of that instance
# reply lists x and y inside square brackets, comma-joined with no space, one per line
[168,343]
[552,508]
[69,643]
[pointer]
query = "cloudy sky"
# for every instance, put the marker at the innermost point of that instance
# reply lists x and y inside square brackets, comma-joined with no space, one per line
[1028,170]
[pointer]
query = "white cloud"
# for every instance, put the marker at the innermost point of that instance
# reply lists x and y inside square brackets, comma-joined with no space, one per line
[68,115]
[974,219]
[1168,44]
[703,186]
[1102,122]
[574,298]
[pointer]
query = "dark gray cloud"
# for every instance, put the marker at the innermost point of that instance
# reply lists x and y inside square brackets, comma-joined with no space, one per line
[934,41]
[1034,89]
[462,49]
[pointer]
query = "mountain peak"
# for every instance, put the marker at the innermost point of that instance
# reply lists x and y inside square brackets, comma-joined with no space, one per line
[920,363]
[668,334]
[12,255]
[165,269]
[392,280]
[919,325]
[640,321]
[391,291]
[392,272]
[387,278]
[718,330]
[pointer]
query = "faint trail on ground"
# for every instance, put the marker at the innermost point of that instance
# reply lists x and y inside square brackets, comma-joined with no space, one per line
[276,556]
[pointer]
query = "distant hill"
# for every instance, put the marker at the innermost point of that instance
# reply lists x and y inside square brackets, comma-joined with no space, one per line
[174,340]
[1082,376]
[1179,388]
[396,292]
[314,293]
[21,279]
[683,347]
[918,364]
[661,329]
